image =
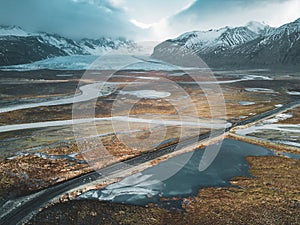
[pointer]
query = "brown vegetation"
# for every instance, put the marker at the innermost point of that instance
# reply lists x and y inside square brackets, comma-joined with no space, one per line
[270,197]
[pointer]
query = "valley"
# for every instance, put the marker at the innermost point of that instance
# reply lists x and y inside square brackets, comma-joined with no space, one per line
[204,130]
[62,158]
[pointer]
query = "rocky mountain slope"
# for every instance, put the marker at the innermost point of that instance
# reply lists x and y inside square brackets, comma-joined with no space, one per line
[18,46]
[250,46]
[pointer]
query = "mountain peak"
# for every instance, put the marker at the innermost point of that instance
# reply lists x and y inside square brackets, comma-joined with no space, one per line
[255,44]
[256,23]
[6,30]
[256,27]
[42,45]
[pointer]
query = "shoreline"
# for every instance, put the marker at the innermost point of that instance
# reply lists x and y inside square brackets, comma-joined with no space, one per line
[192,203]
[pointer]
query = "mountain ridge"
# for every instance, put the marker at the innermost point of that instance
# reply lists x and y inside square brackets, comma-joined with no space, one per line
[18,46]
[254,44]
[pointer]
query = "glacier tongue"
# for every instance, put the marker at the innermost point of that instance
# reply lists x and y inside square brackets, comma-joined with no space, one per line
[40,46]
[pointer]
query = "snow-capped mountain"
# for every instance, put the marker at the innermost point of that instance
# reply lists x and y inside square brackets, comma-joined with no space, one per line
[280,46]
[250,45]
[214,40]
[286,30]
[13,31]
[18,46]
[259,28]
[68,46]
[233,37]
[102,45]
[225,37]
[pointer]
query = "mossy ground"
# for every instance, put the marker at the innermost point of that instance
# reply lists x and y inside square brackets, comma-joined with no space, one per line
[271,196]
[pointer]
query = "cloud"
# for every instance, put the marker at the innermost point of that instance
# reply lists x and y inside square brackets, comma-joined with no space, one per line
[71,18]
[141,24]
[141,19]
[150,11]
[204,15]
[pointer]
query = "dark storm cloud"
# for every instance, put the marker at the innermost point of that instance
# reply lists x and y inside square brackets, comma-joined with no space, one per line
[76,19]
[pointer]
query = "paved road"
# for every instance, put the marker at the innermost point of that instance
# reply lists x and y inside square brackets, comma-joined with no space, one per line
[20,212]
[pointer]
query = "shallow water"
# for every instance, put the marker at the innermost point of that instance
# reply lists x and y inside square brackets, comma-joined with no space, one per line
[291,155]
[147,187]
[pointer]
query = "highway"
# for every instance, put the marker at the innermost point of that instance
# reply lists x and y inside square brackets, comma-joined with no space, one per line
[17,215]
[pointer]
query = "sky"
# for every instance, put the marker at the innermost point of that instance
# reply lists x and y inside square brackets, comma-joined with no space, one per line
[153,20]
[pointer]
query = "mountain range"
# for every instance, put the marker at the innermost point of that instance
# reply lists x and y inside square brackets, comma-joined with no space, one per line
[18,46]
[252,45]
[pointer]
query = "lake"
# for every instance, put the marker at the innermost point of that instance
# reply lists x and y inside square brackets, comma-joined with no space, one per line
[148,187]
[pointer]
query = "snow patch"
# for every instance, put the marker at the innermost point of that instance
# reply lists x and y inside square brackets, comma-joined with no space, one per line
[260,90]
[246,103]
[256,27]
[290,128]
[279,117]
[149,78]
[151,94]
[138,186]
[293,92]
[257,77]
[13,31]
